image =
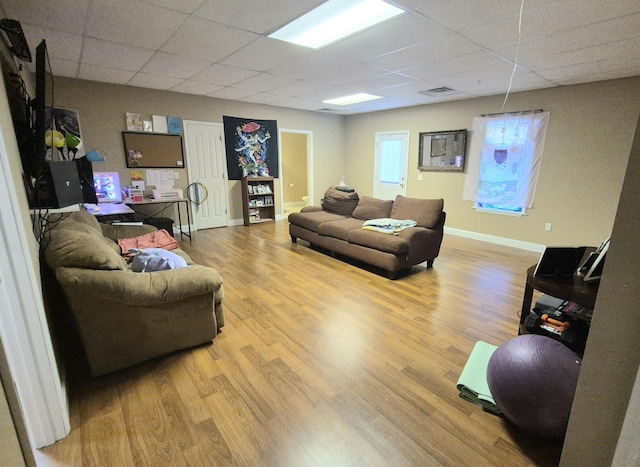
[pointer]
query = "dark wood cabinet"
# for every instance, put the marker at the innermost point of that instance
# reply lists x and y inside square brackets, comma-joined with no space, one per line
[258,200]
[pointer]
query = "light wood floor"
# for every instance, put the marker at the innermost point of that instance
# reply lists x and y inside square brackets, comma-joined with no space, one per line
[321,363]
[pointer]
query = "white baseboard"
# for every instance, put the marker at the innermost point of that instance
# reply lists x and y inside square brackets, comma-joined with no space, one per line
[495,239]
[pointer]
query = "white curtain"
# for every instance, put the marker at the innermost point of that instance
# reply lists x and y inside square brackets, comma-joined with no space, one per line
[504,160]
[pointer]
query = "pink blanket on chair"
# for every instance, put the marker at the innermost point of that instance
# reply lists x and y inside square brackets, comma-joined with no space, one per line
[158,239]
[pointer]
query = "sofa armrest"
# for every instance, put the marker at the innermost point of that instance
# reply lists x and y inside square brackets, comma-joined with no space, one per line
[424,243]
[134,288]
[311,209]
[116,232]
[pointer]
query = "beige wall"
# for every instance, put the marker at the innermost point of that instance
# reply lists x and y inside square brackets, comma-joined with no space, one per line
[587,146]
[102,108]
[586,151]
[612,356]
[294,166]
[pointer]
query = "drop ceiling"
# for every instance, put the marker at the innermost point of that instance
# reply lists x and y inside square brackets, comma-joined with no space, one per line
[220,48]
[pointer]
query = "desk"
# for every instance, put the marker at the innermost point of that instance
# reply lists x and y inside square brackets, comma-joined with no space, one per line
[163,205]
[108,209]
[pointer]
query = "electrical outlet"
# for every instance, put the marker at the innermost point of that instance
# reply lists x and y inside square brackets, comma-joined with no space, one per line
[176,175]
[420,177]
[547,227]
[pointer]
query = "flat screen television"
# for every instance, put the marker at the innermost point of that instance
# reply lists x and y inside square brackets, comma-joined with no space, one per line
[107,187]
[42,100]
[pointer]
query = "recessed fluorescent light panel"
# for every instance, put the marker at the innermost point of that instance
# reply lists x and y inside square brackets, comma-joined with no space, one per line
[334,20]
[353,99]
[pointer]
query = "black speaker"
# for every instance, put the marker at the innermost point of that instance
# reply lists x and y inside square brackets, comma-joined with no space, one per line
[85,173]
[58,185]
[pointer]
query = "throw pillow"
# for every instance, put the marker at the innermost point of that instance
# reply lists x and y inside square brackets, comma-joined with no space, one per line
[155,259]
[340,202]
[372,208]
[426,212]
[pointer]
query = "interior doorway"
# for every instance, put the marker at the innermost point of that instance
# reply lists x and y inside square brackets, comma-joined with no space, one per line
[296,164]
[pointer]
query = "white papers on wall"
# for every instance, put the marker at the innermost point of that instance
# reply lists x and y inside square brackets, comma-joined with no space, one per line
[160,124]
[160,178]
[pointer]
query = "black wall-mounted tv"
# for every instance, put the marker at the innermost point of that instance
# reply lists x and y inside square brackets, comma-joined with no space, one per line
[43,98]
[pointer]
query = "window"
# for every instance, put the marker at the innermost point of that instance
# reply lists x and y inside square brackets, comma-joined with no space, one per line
[504,162]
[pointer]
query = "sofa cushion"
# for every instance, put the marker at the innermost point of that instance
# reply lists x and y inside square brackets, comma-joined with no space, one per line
[426,212]
[339,229]
[379,241]
[372,208]
[311,220]
[340,202]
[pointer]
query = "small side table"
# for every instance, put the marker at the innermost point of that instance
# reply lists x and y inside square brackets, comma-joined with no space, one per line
[573,289]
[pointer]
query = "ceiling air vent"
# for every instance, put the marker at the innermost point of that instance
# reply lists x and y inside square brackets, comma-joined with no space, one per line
[439,91]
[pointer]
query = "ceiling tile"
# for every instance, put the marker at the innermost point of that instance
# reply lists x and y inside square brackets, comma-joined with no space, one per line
[466,44]
[66,68]
[262,98]
[464,63]
[195,87]
[258,17]
[447,46]
[588,54]
[62,45]
[223,75]
[145,80]
[61,15]
[384,38]
[133,22]
[104,74]
[112,55]
[205,40]
[310,66]
[175,66]
[264,82]
[264,54]
[462,15]
[185,6]
[350,73]
[231,93]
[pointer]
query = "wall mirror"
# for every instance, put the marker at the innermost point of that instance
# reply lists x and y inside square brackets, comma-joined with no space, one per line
[442,151]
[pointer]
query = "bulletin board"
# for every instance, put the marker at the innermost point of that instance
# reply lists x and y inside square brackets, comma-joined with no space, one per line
[153,150]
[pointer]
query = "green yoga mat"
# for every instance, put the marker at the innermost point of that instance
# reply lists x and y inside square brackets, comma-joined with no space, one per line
[473,384]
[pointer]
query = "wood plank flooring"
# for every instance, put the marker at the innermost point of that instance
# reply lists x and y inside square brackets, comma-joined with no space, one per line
[321,363]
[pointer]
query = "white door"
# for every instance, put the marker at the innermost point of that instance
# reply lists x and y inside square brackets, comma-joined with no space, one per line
[206,164]
[392,156]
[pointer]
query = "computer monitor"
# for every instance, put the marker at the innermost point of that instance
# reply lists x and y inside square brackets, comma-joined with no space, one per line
[107,185]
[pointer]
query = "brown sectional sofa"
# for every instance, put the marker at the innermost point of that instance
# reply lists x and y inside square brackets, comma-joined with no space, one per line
[337,227]
[125,317]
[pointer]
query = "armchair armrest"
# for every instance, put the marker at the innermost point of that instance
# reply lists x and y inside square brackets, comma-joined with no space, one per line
[132,288]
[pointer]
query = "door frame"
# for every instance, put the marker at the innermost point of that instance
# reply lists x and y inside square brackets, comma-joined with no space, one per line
[310,158]
[224,166]
[32,368]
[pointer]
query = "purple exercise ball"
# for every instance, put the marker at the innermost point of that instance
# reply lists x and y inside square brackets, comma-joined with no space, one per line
[533,379]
